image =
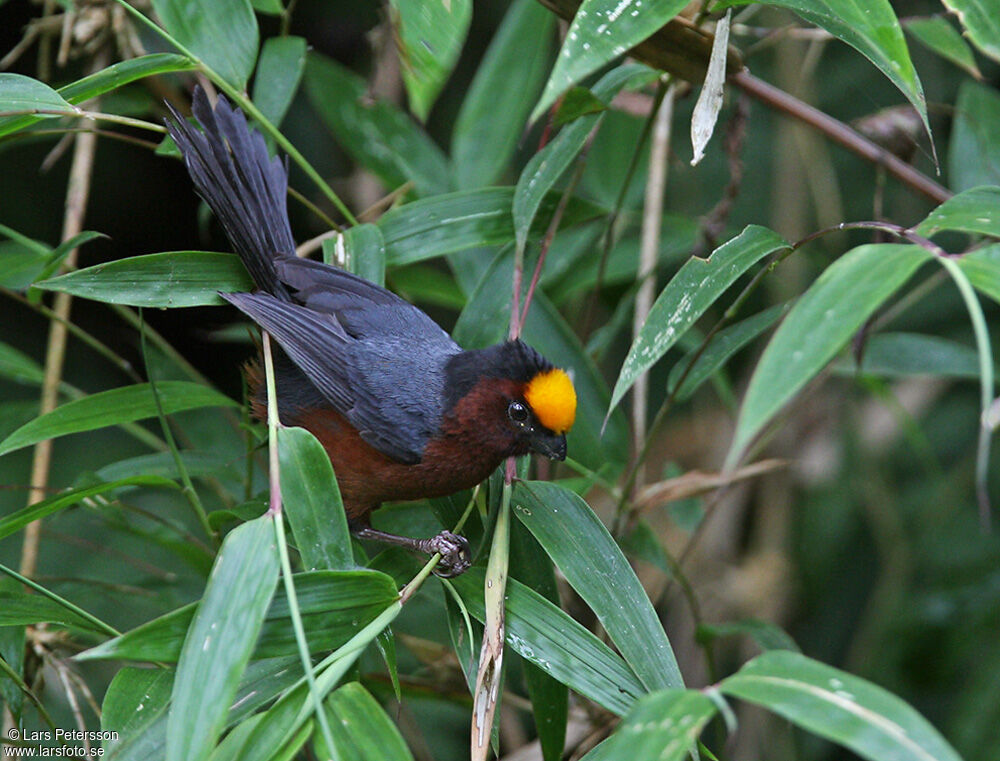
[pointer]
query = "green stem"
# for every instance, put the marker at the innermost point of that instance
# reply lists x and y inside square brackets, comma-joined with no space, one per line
[189,492]
[106,628]
[986,384]
[275,511]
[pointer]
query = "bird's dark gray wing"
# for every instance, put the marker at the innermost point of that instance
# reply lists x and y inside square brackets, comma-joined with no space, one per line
[389,387]
[361,307]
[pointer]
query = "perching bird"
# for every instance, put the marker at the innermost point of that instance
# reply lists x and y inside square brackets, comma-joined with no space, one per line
[402,411]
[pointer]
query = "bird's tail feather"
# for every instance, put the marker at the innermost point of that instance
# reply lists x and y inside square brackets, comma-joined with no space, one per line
[243,185]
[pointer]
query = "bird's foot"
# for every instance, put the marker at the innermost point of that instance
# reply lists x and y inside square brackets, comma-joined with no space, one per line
[456,556]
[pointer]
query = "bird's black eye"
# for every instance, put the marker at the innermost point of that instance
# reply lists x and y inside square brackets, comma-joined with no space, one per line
[517,412]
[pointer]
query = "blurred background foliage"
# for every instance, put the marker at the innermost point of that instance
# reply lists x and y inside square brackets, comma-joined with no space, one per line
[862,546]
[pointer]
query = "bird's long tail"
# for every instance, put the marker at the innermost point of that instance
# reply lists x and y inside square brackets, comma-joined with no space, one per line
[243,185]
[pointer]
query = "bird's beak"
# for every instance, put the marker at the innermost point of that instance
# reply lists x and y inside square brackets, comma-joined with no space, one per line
[549,444]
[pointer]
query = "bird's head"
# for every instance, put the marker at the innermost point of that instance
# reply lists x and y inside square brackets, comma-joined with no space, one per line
[518,400]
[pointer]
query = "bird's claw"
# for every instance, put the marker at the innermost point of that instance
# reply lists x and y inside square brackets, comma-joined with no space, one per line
[456,557]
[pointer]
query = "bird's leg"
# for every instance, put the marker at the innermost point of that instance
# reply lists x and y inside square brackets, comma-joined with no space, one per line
[456,557]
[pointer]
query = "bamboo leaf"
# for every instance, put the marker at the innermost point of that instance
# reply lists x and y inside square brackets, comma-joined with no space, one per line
[335,605]
[376,134]
[982,25]
[664,726]
[444,224]
[222,33]
[493,113]
[360,728]
[820,325]
[119,405]
[545,168]
[170,279]
[543,634]
[974,146]
[939,35]
[596,568]
[135,699]
[221,638]
[429,36]
[21,93]
[893,355]
[982,267]
[601,31]
[312,502]
[695,287]
[975,211]
[282,61]
[838,706]
[14,522]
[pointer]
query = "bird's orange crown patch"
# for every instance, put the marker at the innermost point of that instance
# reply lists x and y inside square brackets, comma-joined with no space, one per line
[553,399]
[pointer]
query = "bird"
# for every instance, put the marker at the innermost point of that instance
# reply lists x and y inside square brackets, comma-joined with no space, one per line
[402,411]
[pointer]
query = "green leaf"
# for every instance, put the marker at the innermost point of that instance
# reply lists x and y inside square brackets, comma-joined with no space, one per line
[376,134]
[601,31]
[119,405]
[549,697]
[819,325]
[893,355]
[981,22]
[975,211]
[596,568]
[974,147]
[576,103]
[222,33]
[766,635]
[838,706]
[493,113]
[59,254]
[272,7]
[124,72]
[221,638]
[282,726]
[169,279]
[982,267]
[940,36]
[20,609]
[14,522]
[312,502]
[19,264]
[871,28]
[695,287]
[545,168]
[21,93]
[115,76]
[664,726]
[453,222]
[335,605]
[429,36]
[17,366]
[719,351]
[542,634]
[282,60]
[198,464]
[135,698]
[361,730]
[364,249]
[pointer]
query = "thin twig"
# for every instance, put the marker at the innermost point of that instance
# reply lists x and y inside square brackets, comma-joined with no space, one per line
[652,219]
[77,194]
